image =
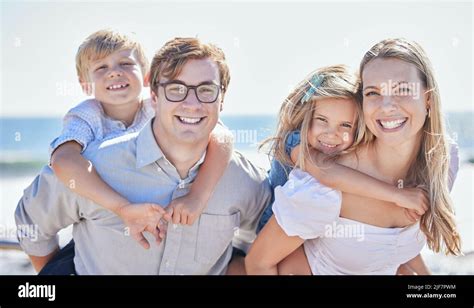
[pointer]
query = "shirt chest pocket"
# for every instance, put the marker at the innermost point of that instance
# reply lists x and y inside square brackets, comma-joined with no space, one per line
[215,233]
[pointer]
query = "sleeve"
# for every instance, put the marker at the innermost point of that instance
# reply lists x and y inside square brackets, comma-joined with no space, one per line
[259,196]
[46,207]
[304,207]
[453,164]
[292,140]
[81,124]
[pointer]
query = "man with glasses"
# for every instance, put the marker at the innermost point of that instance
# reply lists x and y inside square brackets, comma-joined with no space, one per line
[188,81]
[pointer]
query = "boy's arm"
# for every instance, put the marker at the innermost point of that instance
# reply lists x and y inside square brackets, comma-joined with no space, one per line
[354,182]
[187,209]
[77,173]
[271,246]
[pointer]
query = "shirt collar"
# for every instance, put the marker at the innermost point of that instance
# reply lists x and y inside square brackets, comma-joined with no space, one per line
[148,150]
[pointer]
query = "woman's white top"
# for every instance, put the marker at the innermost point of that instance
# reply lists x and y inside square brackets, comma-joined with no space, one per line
[338,246]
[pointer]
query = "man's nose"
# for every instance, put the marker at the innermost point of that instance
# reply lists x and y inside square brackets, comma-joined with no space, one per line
[191,100]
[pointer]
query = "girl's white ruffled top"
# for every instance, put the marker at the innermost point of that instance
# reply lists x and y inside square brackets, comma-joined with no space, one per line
[338,246]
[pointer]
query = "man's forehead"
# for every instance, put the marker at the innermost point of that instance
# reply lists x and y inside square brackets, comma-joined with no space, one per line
[196,71]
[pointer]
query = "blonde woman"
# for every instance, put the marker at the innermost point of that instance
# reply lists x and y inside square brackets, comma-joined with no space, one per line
[405,145]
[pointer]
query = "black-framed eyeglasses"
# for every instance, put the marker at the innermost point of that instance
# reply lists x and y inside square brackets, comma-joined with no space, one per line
[176,91]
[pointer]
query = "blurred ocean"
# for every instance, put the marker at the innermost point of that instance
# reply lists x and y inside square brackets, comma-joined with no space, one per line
[24,150]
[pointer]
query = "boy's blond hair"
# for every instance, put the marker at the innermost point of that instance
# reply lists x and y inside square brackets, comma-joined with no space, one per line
[102,43]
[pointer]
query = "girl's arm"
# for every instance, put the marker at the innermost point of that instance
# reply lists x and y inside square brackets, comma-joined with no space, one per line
[271,246]
[354,182]
[186,209]
[415,266]
[77,173]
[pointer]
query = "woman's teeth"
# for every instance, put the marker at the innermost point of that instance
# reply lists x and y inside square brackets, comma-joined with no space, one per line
[190,120]
[392,124]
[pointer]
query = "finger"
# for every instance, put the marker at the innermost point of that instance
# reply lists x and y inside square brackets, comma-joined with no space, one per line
[184,218]
[419,210]
[427,203]
[155,232]
[415,215]
[176,217]
[192,219]
[169,211]
[163,229]
[167,217]
[141,240]
[159,209]
[410,215]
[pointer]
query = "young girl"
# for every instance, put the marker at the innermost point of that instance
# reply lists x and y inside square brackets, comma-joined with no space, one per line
[327,108]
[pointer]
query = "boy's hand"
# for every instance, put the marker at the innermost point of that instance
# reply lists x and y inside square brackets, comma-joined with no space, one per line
[141,217]
[415,199]
[186,209]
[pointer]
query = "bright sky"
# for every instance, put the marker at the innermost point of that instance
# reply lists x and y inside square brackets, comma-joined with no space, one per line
[270,46]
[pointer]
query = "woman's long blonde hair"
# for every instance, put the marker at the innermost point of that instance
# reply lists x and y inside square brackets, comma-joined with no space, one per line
[296,112]
[431,166]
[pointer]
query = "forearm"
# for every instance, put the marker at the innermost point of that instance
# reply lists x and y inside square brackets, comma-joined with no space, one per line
[418,266]
[39,262]
[354,182]
[270,248]
[79,175]
[346,179]
[219,153]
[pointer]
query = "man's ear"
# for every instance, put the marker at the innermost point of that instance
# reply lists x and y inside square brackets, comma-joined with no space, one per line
[154,99]
[146,80]
[153,96]
[86,87]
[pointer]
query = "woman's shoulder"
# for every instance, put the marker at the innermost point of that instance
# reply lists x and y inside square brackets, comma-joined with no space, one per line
[355,158]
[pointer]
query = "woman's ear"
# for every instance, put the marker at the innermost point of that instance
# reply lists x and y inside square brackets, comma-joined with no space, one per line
[428,100]
[87,87]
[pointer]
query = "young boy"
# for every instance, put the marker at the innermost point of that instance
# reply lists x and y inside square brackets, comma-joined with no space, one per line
[113,68]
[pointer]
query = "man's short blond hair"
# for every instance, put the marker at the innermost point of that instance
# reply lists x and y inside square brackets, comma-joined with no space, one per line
[101,44]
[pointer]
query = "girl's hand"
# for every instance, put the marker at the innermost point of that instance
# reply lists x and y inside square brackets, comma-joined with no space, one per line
[415,198]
